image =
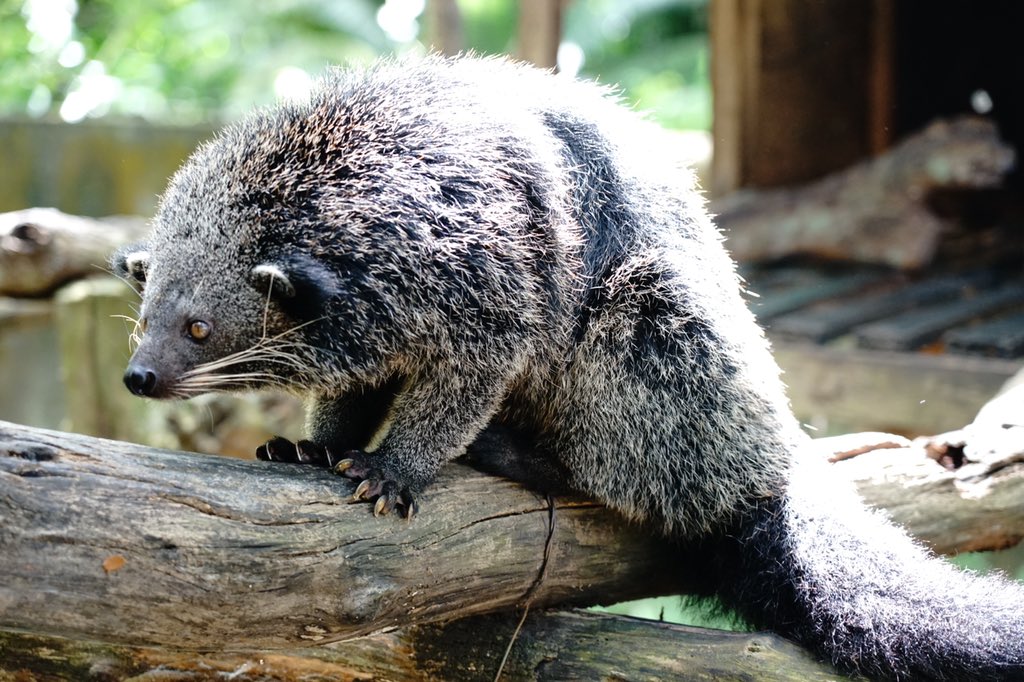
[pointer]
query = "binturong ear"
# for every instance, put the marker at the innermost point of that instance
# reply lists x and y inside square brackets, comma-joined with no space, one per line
[301,285]
[130,263]
[271,280]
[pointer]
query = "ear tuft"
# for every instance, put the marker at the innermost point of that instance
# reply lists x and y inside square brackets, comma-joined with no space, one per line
[270,279]
[131,263]
[301,284]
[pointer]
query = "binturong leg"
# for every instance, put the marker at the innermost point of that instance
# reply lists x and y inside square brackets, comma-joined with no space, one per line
[507,452]
[352,419]
[431,421]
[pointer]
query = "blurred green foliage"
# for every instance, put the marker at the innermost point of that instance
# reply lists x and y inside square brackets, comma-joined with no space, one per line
[173,60]
[186,61]
[656,50]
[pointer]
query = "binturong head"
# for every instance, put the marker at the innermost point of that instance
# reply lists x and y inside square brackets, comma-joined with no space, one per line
[272,252]
[339,241]
[233,296]
[196,335]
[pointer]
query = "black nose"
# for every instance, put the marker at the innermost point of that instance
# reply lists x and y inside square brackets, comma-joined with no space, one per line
[140,381]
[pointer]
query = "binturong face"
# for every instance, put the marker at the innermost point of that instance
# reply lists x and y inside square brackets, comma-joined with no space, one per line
[234,296]
[200,334]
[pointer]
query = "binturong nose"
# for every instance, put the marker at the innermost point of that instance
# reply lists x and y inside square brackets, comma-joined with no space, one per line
[140,380]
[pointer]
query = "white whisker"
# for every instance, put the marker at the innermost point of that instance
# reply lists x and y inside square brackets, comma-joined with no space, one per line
[277,350]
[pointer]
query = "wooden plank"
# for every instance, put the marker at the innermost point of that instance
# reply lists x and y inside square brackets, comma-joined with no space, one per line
[783,301]
[826,322]
[93,168]
[914,329]
[1002,337]
[847,389]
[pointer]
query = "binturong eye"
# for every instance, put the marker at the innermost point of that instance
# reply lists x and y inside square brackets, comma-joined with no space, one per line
[198,330]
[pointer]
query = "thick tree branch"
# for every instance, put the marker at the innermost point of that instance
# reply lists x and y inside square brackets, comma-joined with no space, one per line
[41,248]
[552,645]
[113,542]
[117,542]
[972,506]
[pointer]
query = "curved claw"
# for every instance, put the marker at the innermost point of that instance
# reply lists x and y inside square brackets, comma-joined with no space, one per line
[392,498]
[374,485]
[361,490]
[368,489]
[357,465]
[308,452]
[410,506]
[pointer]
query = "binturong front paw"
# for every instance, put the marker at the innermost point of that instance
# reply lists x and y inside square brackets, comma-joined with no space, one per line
[374,484]
[280,449]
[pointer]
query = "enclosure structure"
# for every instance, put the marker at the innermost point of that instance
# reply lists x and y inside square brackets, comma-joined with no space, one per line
[806,94]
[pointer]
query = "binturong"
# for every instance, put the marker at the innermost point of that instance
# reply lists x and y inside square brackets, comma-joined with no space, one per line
[470,256]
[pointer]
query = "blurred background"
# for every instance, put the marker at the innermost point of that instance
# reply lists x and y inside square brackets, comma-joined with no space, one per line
[153,78]
[180,63]
[862,156]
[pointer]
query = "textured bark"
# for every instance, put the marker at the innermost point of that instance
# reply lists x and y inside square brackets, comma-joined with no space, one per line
[156,552]
[41,248]
[116,542]
[552,645]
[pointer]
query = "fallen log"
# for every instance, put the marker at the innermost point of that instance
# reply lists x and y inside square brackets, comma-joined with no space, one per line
[42,248]
[879,211]
[105,541]
[117,542]
[552,645]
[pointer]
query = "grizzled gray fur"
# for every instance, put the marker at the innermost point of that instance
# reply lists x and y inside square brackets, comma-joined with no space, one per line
[470,255]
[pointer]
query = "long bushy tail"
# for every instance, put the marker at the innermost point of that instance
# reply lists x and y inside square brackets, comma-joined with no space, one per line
[819,567]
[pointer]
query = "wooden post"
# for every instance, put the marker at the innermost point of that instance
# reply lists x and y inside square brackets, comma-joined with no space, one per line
[881,95]
[444,26]
[793,86]
[733,60]
[540,31]
[31,375]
